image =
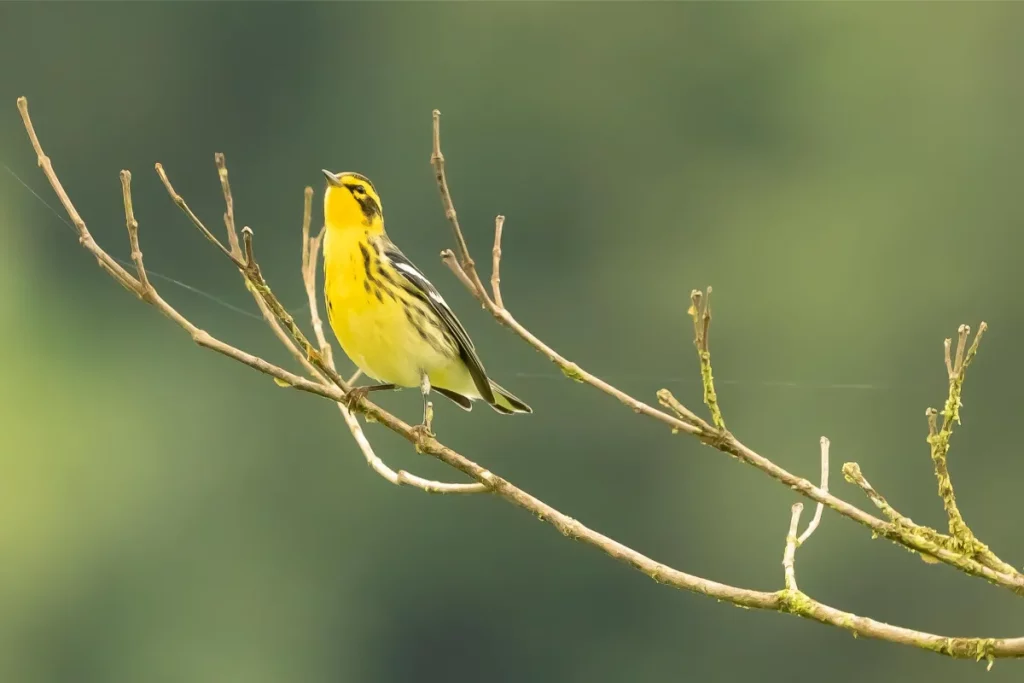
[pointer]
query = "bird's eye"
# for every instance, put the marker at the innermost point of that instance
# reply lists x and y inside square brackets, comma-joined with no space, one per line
[359,189]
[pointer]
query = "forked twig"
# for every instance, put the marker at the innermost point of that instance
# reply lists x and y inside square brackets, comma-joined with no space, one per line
[715,436]
[789,556]
[320,368]
[816,520]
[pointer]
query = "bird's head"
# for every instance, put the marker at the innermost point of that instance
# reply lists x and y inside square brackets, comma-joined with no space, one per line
[351,201]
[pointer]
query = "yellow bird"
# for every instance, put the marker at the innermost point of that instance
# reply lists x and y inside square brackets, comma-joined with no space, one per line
[390,321]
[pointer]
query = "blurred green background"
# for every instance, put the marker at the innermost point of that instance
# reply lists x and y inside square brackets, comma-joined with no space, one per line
[847,177]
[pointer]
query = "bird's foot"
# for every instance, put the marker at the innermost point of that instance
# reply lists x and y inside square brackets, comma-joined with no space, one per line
[423,431]
[354,395]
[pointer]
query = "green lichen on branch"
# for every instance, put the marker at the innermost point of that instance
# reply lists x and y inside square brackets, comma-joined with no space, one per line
[572,371]
[923,540]
[962,648]
[700,311]
[794,601]
[961,541]
[852,474]
[255,282]
[939,434]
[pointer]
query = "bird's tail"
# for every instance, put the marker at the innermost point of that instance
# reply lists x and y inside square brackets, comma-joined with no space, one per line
[506,403]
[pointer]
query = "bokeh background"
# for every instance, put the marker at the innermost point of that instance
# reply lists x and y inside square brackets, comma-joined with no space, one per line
[847,177]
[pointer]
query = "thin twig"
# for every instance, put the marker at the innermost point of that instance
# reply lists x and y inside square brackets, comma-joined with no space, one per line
[462,266]
[229,204]
[268,314]
[112,267]
[852,474]
[177,199]
[310,254]
[401,477]
[939,443]
[452,261]
[667,399]
[267,304]
[255,282]
[133,234]
[700,311]
[789,556]
[722,440]
[816,520]
[499,223]
[465,260]
[939,436]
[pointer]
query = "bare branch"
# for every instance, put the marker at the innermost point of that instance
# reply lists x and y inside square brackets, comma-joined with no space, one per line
[719,437]
[133,234]
[465,260]
[401,477]
[229,204]
[938,436]
[852,474]
[499,223]
[787,600]
[247,251]
[816,520]
[789,556]
[667,399]
[462,266]
[700,311]
[177,199]
[938,440]
[310,253]
[108,264]
[450,260]
[949,360]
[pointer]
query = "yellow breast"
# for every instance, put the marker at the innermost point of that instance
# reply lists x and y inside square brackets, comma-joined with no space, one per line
[380,328]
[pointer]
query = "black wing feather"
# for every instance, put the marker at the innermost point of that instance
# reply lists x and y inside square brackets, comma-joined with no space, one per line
[426,292]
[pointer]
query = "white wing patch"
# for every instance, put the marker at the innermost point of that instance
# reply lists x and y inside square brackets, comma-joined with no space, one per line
[420,279]
[401,263]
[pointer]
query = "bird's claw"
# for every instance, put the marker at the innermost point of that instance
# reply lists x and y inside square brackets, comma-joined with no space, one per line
[422,433]
[354,395]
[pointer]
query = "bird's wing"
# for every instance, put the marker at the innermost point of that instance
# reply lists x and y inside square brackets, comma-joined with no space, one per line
[426,292]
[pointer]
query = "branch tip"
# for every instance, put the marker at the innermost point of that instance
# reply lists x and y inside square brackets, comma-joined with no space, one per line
[789,555]
[933,426]
[181,204]
[667,399]
[700,312]
[499,223]
[435,154]
[939,435]
[144,289]
[947,345]
[475,286]
[220,162]
[819,508]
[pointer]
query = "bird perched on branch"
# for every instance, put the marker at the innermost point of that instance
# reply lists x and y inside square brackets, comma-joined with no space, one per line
[389,319]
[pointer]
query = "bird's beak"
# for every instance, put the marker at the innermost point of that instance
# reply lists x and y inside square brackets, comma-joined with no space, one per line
[331,178]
